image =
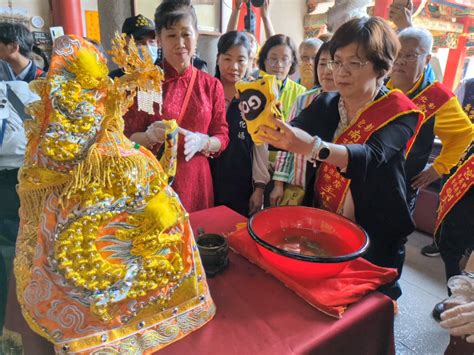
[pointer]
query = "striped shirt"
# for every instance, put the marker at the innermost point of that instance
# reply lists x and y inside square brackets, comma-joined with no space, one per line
[290,167]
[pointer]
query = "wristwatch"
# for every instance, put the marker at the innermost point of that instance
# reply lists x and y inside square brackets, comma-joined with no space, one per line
[319,152]
[324,151]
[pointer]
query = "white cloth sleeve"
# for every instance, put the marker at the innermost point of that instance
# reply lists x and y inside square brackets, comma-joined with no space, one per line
[260,164]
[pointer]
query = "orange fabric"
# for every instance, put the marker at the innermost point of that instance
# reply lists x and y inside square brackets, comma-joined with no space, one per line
[432,99]
[106,260]
[331,296]
[454,189]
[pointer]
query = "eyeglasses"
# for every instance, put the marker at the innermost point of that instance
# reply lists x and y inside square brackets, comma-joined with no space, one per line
[409,57]
[276,62]
[351,66]
[307,59]
[323,65]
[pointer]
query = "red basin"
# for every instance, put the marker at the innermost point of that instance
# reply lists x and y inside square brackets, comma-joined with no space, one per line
[307,242]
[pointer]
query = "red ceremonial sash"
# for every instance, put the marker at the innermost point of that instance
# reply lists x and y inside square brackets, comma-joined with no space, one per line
[431,99]
[454,189]
[330,186]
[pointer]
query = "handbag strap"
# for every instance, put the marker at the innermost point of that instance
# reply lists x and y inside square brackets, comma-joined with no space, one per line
[17,104]
[183,108]
[188,95]
[19,108]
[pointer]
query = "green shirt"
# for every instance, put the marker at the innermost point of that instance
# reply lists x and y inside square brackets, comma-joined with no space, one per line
[291,90]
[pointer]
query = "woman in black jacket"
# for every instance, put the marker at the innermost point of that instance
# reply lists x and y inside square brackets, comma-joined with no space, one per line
[358,137]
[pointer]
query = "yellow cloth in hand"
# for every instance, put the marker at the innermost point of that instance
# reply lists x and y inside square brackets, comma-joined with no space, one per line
[258,102]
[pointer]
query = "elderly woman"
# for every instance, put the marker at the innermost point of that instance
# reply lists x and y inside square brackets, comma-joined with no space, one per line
[358,137]
[192,97]
[444,117]
[307,52]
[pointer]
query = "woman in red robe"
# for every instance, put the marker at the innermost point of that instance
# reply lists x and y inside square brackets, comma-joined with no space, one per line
[193,98]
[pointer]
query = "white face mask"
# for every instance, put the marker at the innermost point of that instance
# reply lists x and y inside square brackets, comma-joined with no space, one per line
[152,50]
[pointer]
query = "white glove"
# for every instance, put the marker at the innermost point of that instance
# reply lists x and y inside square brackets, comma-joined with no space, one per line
[459,317]
[156,132]
[194,142]
[459,321]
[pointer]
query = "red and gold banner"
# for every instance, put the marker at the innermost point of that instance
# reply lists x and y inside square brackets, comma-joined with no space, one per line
[454,189]
[431,99]
[330,186]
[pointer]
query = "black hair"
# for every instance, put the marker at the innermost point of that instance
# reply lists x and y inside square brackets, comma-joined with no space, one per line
[37,50]
[375,36]
[229,40]
[18,34]
[273,41]
[169,12]
[324,48]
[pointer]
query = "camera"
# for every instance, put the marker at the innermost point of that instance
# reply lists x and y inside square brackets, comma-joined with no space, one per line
[249,19]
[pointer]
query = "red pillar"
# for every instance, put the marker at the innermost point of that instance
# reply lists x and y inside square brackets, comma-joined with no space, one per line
[457,56]
[68,13]
[382,7]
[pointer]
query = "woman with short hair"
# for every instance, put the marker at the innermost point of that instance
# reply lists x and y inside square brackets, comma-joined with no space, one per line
[241,172]
[278,57]
[358,138]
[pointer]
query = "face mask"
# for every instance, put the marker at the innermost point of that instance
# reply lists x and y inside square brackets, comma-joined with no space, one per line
[152,51]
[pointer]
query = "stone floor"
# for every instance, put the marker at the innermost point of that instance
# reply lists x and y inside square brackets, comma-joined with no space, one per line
[423,284]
